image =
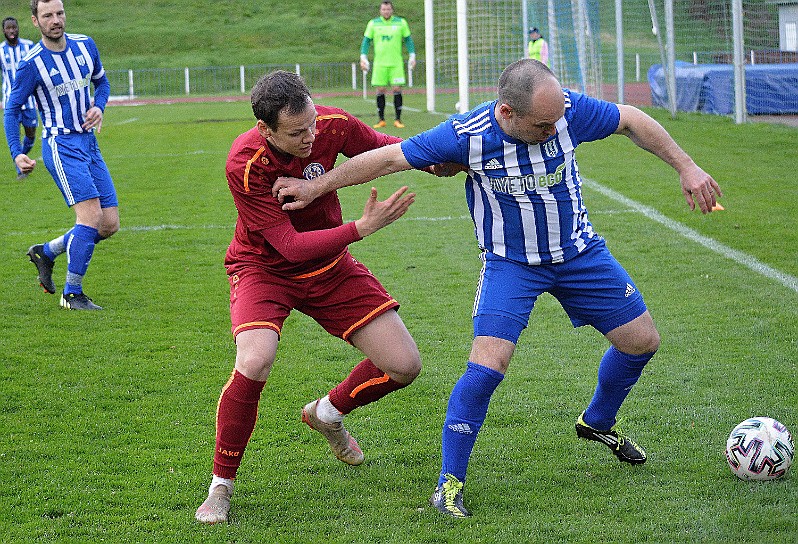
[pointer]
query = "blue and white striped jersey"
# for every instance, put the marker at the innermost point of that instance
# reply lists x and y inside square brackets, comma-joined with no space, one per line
[525,199]
[59,81]
[10,57]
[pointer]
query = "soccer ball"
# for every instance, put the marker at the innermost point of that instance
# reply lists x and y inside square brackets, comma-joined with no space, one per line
[760,448]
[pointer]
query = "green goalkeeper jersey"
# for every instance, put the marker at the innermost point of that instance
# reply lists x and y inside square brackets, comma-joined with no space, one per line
[388,36]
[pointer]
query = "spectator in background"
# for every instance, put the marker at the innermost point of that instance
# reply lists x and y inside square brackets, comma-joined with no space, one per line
[538,48]
[388,32]
[11,53]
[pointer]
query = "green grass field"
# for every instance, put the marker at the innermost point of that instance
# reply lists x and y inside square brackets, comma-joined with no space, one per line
[108,417]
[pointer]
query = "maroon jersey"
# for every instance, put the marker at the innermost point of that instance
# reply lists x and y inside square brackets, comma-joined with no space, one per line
[253,167]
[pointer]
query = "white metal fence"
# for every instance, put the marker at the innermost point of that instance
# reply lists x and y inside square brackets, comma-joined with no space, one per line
[234,80]
[702,34]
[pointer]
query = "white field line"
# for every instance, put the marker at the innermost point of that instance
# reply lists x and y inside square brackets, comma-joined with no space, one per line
[126,121]
[738,257]
[789,281]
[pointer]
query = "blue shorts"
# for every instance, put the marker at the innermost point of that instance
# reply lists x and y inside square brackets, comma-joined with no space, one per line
[593,289]
[78,168]
[28,118]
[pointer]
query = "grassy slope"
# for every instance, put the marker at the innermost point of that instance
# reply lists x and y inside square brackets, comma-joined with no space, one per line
[158,33]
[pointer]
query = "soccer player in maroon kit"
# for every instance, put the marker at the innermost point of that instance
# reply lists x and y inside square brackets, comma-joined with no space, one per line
[279,261]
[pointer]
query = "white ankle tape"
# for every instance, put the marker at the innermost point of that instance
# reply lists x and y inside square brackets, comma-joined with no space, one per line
[216,480]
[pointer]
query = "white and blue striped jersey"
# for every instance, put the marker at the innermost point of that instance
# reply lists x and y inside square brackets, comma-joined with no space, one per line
[10,57]
[59,81]
[525,199]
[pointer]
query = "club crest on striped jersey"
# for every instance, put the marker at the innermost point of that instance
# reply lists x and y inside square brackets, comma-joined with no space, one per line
[550,148]
[313,170]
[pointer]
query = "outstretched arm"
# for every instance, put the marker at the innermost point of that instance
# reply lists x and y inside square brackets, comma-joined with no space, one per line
[698,187]
[302,246]
[377,215]
[294,193]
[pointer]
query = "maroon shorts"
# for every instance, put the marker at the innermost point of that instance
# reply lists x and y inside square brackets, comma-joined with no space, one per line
[342,297]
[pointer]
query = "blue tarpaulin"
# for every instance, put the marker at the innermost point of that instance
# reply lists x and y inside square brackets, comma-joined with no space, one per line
[770,88]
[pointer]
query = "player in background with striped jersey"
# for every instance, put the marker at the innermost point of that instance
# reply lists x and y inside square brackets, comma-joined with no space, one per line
[523,190]
[57,73]
[282,261]
[388,32]
[12,51]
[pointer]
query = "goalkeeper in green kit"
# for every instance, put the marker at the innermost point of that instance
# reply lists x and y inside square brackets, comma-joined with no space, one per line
[388,32]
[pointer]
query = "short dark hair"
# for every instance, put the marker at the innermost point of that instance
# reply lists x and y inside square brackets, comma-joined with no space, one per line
[34,6]
[7,19]
[279,91]
[518,82]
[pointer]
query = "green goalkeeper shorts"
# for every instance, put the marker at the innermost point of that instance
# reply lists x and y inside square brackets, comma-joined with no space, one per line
[388,75]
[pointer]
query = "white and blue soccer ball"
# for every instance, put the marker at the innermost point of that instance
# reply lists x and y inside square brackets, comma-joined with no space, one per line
[760,448]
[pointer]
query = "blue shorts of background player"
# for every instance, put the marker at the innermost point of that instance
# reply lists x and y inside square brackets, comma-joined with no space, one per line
[28,118]
[29,121]
[78,168]
[593,289]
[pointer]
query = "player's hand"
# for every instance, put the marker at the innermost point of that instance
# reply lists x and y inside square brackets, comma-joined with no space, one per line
[364,63]
[294,193]
[447,169]
[93,119]
[378,214]
[698,187]
[25,163]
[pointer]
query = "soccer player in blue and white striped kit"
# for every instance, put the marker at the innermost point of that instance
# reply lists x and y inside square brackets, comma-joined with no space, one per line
[58,72]
[12,51]
[524,193]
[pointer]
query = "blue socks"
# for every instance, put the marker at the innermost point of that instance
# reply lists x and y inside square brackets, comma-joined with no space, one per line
[78,243]
[57,246]
[470,397]
[27,144]
[468,406]
[79,249]
[617,373]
